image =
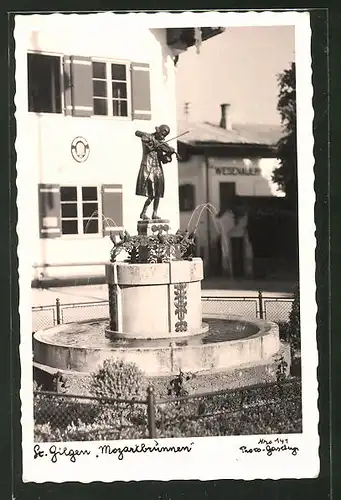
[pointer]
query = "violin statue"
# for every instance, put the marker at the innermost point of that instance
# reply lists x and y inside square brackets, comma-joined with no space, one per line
[150,181]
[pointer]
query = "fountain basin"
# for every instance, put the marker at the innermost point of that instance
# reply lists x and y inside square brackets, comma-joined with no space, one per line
[230,342]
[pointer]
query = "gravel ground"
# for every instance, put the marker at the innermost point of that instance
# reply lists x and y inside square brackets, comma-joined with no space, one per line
[198,383]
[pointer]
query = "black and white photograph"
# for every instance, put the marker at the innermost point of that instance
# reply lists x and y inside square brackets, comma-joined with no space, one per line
[166,248]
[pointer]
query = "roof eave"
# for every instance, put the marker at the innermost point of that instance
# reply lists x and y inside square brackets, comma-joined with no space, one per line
[180,39]
[215,144]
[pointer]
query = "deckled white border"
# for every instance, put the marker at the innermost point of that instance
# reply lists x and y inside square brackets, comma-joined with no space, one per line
[215,457]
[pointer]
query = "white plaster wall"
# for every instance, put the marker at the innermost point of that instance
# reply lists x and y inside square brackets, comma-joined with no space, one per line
[115,153]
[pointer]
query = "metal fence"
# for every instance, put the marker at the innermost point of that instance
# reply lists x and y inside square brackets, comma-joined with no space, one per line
[277,309]
[57,314]
[44,317]
[86,310]
[68,417]
[275,406]
[241,306]
[271,308]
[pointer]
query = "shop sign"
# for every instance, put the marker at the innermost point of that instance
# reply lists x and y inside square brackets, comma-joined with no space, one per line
[237,171]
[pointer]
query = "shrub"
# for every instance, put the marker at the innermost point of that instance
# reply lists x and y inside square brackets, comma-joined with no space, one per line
[68,419]
[80,431]
[283,330]
[281,371]
[61,412]
[274,408]
[119,380]
[44,433]
[177,385]
[36,386]
[116,379]
[63,418]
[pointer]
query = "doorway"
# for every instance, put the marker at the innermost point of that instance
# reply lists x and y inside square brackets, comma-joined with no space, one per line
[227,194]
[238,265]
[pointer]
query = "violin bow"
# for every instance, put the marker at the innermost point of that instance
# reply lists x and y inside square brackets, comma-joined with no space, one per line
[177,136]
[172,139]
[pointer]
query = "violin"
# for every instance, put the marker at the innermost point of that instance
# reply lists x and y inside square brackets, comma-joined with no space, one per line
[166,151]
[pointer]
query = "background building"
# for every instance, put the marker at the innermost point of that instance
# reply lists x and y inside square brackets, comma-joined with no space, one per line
[245,231]
[79,103]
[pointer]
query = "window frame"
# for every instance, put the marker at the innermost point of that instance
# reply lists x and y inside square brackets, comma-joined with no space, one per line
[109,98]
[80,216]
[62,88]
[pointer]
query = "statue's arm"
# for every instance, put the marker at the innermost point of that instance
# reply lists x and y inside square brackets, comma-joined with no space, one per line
[147,139]
[144,136]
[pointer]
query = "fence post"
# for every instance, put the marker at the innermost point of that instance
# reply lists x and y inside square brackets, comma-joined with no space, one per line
[260,300]
[151,412]
[58,316]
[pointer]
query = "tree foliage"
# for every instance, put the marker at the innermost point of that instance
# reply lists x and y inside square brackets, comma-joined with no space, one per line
[286,174]
[294,327]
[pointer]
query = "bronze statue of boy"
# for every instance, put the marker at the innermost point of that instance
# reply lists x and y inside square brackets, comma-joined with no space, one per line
[150,180]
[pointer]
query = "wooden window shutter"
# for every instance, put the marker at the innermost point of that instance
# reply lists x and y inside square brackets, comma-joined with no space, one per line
[67,85]
[49,210]
[81,89]
[140,88]
[112,208]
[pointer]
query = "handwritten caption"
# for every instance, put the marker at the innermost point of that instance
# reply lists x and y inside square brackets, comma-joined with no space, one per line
[54,453]
[271,447]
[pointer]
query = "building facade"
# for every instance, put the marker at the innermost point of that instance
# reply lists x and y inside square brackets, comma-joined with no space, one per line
[84,87]
[228,198]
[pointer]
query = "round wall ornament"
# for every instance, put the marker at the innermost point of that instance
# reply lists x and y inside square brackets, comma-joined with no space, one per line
[80,149]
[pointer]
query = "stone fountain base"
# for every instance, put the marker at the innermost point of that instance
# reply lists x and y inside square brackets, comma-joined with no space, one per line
[82,348]
[155,319]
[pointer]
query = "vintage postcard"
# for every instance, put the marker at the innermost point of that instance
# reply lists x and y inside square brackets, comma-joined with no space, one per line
[166,246]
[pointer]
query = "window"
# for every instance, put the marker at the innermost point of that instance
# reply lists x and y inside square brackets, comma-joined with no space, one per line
[186,197]
[110,93]
[81,87]
[44,83]
[79,210]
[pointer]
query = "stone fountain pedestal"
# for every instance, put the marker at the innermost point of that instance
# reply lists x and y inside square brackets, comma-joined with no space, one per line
[155,320]
[155,300]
